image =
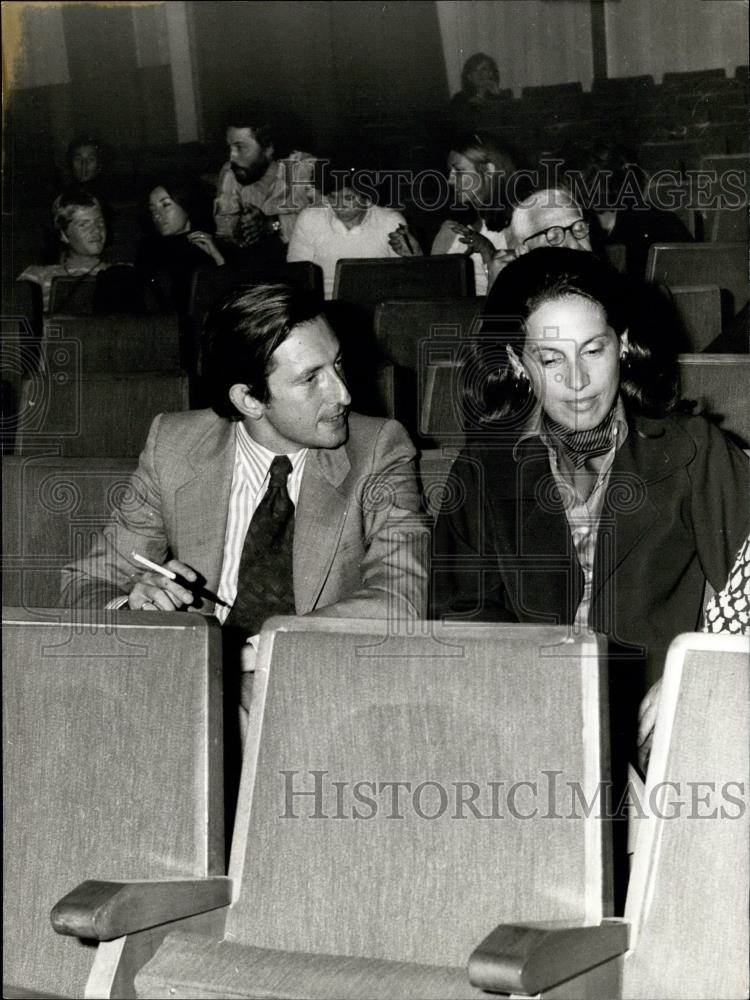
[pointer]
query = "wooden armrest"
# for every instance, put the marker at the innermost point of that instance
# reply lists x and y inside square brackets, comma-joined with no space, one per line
[107,910]
[529,958]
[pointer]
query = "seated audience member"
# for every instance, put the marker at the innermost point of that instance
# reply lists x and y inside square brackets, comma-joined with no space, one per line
[262,188]
[181,213]
[589,501]
[478,101]
[615,189]
[84,163]
[479,167]
[82,232]
[277,500]
[546,218]
[728,611]
[346,224]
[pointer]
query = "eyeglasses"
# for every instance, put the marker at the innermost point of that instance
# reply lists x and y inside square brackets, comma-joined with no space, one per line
[555,235]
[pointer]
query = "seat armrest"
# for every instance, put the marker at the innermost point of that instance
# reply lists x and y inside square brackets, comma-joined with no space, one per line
[107,910]
[529,958]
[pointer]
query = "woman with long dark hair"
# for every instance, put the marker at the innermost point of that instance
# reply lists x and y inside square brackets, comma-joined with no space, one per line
[585,497]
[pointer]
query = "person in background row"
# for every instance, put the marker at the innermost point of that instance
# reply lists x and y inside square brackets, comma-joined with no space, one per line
[263,186]
[479,167]
[347,224]
[180,212]
[478,103]
[546,218]
[618,203]
[81,231]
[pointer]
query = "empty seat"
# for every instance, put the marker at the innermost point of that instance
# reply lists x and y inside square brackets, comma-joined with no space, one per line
[718,384]
[722,264]
[691,79]
[412,334]
[112,767]
[71,294]
[51,508]
[673,156]
[698,308]
[390,899]
[116,343]
[96,414]
[725,217]
[369,281]
[442,419]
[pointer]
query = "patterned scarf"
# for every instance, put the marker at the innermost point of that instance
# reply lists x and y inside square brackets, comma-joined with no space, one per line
[579,446]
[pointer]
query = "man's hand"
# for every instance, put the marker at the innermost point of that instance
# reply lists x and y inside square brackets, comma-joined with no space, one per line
[646,722]
[154,592]
[404,243]
[252,226]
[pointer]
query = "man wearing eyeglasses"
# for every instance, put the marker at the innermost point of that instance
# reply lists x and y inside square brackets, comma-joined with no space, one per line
[547,218]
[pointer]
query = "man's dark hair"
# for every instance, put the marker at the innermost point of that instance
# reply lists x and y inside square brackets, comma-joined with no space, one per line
[242,332]
[271,128]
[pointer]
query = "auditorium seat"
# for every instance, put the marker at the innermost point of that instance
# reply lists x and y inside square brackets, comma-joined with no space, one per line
[677,156]
[687,909]
[370,280]
[71,294]
[96,414]
[354,720]
[728,191]
[718,383]
[687,80]
[112,768]
[412,334]
[698,308]
[20,340]
[722,264]
[442,420]
[51,508]
[116,343]
[208,285]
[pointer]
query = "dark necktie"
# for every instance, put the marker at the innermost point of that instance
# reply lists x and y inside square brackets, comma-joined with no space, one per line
[264,579]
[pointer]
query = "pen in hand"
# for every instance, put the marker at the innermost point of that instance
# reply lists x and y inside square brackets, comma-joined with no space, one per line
[171,575]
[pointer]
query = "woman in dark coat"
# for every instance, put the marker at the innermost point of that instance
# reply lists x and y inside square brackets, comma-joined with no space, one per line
[585,498]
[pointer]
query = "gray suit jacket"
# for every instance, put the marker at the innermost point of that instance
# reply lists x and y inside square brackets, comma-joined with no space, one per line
[361,544]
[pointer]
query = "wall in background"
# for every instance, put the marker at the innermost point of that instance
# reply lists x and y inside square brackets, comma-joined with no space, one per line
[644,36]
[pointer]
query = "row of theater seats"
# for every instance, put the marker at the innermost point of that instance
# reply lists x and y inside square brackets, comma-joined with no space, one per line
[399,823]
[93,385]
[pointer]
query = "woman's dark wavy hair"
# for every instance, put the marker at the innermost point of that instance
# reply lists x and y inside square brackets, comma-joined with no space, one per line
[241,333]
[494,397]
[189,193]
[472,63]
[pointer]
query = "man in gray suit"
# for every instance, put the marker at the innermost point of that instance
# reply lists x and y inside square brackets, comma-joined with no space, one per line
[274,372]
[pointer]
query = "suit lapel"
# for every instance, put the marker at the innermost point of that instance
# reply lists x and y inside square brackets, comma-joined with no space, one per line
[319,520]
[202,501]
